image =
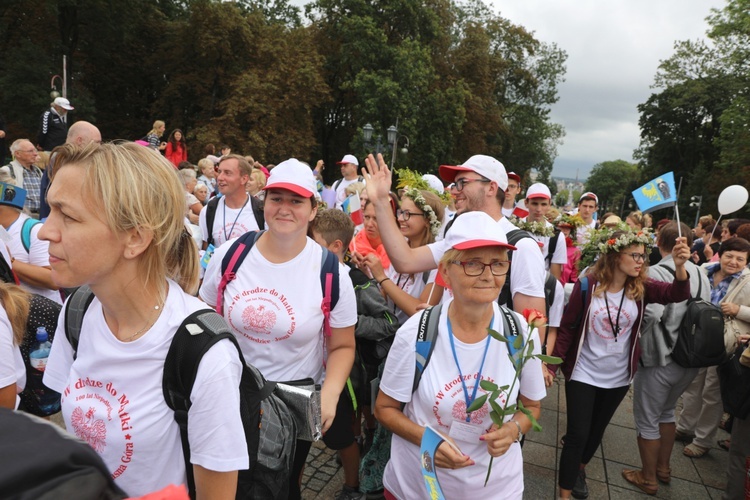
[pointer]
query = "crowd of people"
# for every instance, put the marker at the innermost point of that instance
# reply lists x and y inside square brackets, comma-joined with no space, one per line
[171,238]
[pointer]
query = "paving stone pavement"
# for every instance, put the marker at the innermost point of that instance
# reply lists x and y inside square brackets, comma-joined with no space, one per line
[694,479]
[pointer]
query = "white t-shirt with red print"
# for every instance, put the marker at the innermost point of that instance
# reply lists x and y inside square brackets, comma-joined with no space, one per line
[603,362]
[228,222]
[440,400]
[12,369]
[112,398]
[274,310]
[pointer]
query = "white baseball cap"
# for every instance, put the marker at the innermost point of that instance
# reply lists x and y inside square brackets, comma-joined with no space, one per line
[538,190]
[348,159]
[434,182]
[474,230]
[294,176]
[484,165]
[63,103]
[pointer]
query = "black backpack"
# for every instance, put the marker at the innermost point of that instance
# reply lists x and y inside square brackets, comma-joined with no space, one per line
[700,339]
[270,430]
[213,204]
[42,461]
[42,312]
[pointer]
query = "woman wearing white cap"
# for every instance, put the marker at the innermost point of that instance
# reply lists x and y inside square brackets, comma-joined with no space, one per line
[475,267]
[274,304]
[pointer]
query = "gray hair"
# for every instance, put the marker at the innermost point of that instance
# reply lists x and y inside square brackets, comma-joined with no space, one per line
[186,175]
[17,145]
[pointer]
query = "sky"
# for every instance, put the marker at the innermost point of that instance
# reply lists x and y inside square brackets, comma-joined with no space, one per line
[614,48]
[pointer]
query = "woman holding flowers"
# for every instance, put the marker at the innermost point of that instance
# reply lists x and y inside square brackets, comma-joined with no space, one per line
[598,342]
[464,354]
[419,219]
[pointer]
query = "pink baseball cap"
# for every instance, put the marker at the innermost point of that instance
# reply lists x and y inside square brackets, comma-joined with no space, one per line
[474,230]
[294,176]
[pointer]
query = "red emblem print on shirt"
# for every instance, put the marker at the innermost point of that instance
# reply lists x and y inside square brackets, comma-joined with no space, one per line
[90,429]
[260,320]
[459,412]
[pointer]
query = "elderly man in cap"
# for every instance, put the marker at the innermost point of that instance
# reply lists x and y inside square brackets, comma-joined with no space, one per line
[53,129]
[349,165]
[479,185]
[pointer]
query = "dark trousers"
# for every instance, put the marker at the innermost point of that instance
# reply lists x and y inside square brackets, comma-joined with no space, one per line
[300,456]
[590,409]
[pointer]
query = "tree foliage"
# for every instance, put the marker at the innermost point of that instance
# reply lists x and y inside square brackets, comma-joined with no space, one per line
[697,123]
[612,182]
[456,77]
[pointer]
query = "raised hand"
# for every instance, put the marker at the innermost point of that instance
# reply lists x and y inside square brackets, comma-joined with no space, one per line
[378,178]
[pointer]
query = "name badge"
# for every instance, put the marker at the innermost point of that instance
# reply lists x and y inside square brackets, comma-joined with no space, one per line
[465,431]
[207,256]
[615,347]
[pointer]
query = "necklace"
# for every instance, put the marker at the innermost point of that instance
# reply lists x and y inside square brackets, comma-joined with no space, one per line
[145,328]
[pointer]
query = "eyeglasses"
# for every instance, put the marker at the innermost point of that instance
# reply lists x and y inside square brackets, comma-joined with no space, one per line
[638,257]
[460,183]
[406,215]
[476,268]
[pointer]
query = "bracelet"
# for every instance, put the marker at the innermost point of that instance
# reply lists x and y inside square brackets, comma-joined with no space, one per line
[381,281]
[520,432]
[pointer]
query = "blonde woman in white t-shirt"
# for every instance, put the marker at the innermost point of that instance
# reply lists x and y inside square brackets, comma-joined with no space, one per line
[273,305]
[116,224]
[419,219]
[475,267]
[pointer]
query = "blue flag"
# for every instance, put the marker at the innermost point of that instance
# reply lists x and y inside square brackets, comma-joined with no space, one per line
[657,193]
[430,442]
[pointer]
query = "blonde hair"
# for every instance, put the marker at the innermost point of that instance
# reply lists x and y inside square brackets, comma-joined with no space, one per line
[354,188]
[259,177]
[157,125]
[638,218]
[15,301]
[205,163]
[133,187]
[434,202]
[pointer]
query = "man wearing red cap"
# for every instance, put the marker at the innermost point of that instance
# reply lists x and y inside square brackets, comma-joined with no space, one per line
[538,203]
[479,185]
[514,188]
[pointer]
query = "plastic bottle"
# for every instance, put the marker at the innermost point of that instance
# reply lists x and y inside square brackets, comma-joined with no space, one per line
[47,400]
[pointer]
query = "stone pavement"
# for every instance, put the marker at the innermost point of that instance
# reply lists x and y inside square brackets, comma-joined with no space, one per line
[702,478]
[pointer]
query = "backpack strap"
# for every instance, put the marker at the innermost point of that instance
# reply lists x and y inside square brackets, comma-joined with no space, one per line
[551,247]
[511,330]
[28,224]
[211,207]
[584,282]
[329,282]
[505,298]
[550,286]
[232,261]
[427,333]
[75,308]
[196,335]
[257,207]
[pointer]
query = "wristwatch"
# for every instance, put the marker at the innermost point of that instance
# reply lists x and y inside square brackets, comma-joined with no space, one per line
[520,432]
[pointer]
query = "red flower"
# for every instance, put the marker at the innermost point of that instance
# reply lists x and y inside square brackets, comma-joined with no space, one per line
[611,241]
[534,318]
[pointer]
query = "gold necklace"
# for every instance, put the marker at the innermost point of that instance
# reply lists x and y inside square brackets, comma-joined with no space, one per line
[145,328]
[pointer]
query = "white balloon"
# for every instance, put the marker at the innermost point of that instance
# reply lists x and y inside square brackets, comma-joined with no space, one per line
[733,198]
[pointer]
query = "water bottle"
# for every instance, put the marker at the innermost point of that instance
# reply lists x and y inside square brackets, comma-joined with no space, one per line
[47,400]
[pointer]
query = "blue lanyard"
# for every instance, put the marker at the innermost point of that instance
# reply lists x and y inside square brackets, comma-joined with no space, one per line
[226,236]
[460,373]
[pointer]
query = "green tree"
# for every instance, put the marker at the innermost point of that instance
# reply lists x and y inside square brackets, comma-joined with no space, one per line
[612,182]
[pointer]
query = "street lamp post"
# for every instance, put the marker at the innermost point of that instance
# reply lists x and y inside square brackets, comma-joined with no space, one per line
[367,132]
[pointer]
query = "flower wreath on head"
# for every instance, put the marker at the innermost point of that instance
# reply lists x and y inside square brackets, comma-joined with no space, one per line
[575,221]
[603,241]
[538,228]
[410,178]
[416,196]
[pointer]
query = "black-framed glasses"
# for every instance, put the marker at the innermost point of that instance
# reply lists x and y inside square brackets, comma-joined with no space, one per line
[638,257]
[406,215]
[460,183]
[476,268]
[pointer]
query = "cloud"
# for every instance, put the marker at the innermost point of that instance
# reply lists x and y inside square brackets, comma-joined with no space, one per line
[614,48]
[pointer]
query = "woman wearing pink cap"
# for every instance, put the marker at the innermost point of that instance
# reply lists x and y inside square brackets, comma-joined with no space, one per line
[273,305]
[474,267]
